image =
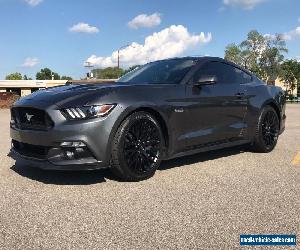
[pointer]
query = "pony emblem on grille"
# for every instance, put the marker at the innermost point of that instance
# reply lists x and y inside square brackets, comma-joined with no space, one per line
[28,117]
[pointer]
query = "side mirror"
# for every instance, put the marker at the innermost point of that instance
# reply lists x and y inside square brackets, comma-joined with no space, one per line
[206,80]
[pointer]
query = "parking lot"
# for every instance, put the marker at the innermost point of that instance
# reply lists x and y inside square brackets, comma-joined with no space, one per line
[203,201]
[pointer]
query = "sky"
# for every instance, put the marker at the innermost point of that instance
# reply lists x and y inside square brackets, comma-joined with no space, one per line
[64,34]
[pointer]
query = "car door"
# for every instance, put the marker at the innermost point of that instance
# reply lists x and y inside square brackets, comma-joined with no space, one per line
[215,111]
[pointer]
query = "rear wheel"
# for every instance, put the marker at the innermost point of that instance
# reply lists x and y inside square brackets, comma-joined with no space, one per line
[137,147]
[267,131]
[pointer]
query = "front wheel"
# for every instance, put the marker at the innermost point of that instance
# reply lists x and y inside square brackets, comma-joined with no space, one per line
[137,147]
[267,131]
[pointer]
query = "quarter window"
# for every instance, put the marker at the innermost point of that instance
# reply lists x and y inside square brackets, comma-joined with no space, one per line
[224,73]
[242,76]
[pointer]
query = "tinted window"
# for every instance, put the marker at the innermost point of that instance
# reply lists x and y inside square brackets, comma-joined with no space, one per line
[242,76]
[224,73]
[165,71]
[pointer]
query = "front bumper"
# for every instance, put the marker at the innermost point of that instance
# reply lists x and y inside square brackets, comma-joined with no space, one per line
[46,165]
[94,133]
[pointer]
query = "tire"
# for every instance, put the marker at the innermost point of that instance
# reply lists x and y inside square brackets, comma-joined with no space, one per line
[267,131]
[137,147]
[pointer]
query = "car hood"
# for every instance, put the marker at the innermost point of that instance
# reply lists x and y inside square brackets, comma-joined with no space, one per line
[66,95]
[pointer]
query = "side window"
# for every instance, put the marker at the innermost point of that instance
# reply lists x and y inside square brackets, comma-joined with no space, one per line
[224,73]
[242,76]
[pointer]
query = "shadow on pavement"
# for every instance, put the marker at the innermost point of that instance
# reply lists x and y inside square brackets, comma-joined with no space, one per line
[61,177]
[202,157]
[99,176]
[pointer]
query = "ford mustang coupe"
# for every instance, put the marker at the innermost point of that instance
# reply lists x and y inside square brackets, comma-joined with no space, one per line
[164,109]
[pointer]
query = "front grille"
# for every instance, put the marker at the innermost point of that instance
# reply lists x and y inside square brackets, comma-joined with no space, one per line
[30,118]
[29,150]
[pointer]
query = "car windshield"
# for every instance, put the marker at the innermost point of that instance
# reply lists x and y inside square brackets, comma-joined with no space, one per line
[160,72]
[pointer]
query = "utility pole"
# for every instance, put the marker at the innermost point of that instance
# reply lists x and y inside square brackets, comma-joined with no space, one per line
[125,46]
[118,58]
[88,65]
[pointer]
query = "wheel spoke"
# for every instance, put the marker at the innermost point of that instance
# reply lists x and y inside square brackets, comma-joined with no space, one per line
[142,145]
[270,127]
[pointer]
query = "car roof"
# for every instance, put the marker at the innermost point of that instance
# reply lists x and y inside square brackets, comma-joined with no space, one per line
[193,58]
[208,58]
[199,58]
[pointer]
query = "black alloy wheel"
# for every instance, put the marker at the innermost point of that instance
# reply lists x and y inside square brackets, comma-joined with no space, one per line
[142,145]
[137,147]
[267,130]
[270,128]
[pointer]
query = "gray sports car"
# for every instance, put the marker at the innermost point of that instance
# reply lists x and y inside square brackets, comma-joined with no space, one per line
[161,110]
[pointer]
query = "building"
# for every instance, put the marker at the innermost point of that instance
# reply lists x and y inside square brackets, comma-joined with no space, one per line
[284,86]
[26,87]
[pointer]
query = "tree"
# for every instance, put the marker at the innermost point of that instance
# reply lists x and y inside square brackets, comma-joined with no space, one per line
[260,54]
[246,54]
[253,45]
[233,54]
[272,57]
[253,48]
[26,78]
[131,68]
[46,74]
[14,76]
[68,78]
[108,73]
[290,74]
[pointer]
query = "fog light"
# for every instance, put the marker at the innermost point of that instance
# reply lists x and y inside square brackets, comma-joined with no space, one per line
[72,144]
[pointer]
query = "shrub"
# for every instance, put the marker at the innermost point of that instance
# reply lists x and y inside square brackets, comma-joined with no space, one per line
[7,99]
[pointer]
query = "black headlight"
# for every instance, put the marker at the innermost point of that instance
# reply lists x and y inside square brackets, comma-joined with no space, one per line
[87,112]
